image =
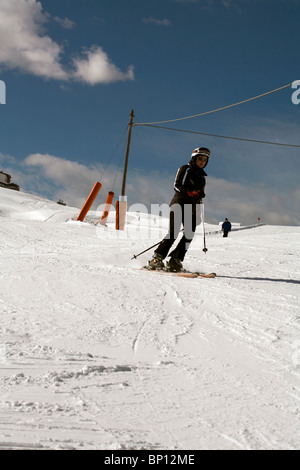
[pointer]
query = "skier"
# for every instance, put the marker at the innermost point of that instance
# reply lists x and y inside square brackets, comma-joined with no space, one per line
[189,191]
[226,227]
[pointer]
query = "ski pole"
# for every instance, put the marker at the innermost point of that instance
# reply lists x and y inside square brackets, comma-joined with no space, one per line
[147,249]
[202,217]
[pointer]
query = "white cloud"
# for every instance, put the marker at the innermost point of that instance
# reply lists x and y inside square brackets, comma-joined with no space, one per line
[65,22]
[58,169]
[245,203]
[72,181]
[157,22]
[6,159]
[25,46]
[23,43]
[96,67]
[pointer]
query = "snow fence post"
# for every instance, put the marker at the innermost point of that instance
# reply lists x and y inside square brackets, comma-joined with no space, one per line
[108,203]
[121,210]
[88,203]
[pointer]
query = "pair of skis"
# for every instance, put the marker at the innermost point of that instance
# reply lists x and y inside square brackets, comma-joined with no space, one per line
[196,274]
[186,274]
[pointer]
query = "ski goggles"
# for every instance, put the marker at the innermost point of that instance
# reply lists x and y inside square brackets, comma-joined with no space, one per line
[201,158]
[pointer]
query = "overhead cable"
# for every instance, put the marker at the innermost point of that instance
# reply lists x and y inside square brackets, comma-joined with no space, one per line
[221,136]
[218,109]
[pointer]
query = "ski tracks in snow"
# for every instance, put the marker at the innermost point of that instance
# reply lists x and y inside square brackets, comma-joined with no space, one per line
[165,321]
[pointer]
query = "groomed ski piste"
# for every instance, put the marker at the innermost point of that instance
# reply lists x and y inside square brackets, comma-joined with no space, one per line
[98,354]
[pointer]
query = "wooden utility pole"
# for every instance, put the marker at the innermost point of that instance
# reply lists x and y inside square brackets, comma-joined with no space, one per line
[127,153]
[121,204]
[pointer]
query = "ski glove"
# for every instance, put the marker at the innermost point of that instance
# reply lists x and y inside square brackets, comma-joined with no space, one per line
[193,193]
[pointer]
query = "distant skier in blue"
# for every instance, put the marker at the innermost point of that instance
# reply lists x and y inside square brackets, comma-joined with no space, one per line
[226,227]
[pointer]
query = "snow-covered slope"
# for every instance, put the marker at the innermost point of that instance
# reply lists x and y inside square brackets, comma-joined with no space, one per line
[96,354]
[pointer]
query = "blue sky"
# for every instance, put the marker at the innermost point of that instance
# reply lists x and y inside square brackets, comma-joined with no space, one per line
[74,69]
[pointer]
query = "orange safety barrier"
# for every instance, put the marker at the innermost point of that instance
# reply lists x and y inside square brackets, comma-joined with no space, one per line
[121,211]
[117,215]
[89,202]
[107,207]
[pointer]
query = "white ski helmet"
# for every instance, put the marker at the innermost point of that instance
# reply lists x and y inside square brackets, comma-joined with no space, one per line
[201,151]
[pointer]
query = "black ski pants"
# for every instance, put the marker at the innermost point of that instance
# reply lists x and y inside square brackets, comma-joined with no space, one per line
[179,215]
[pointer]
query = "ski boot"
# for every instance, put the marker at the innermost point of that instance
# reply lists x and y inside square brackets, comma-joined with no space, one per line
[175,265]
[156,262]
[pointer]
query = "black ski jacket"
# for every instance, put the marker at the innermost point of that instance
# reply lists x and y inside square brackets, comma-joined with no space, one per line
[189,178]
[226,226]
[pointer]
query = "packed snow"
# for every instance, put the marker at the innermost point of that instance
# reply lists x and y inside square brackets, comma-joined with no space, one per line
[98,354]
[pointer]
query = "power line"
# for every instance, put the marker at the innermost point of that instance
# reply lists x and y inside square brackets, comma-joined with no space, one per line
[218,109]
[112,155]
[221,136]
